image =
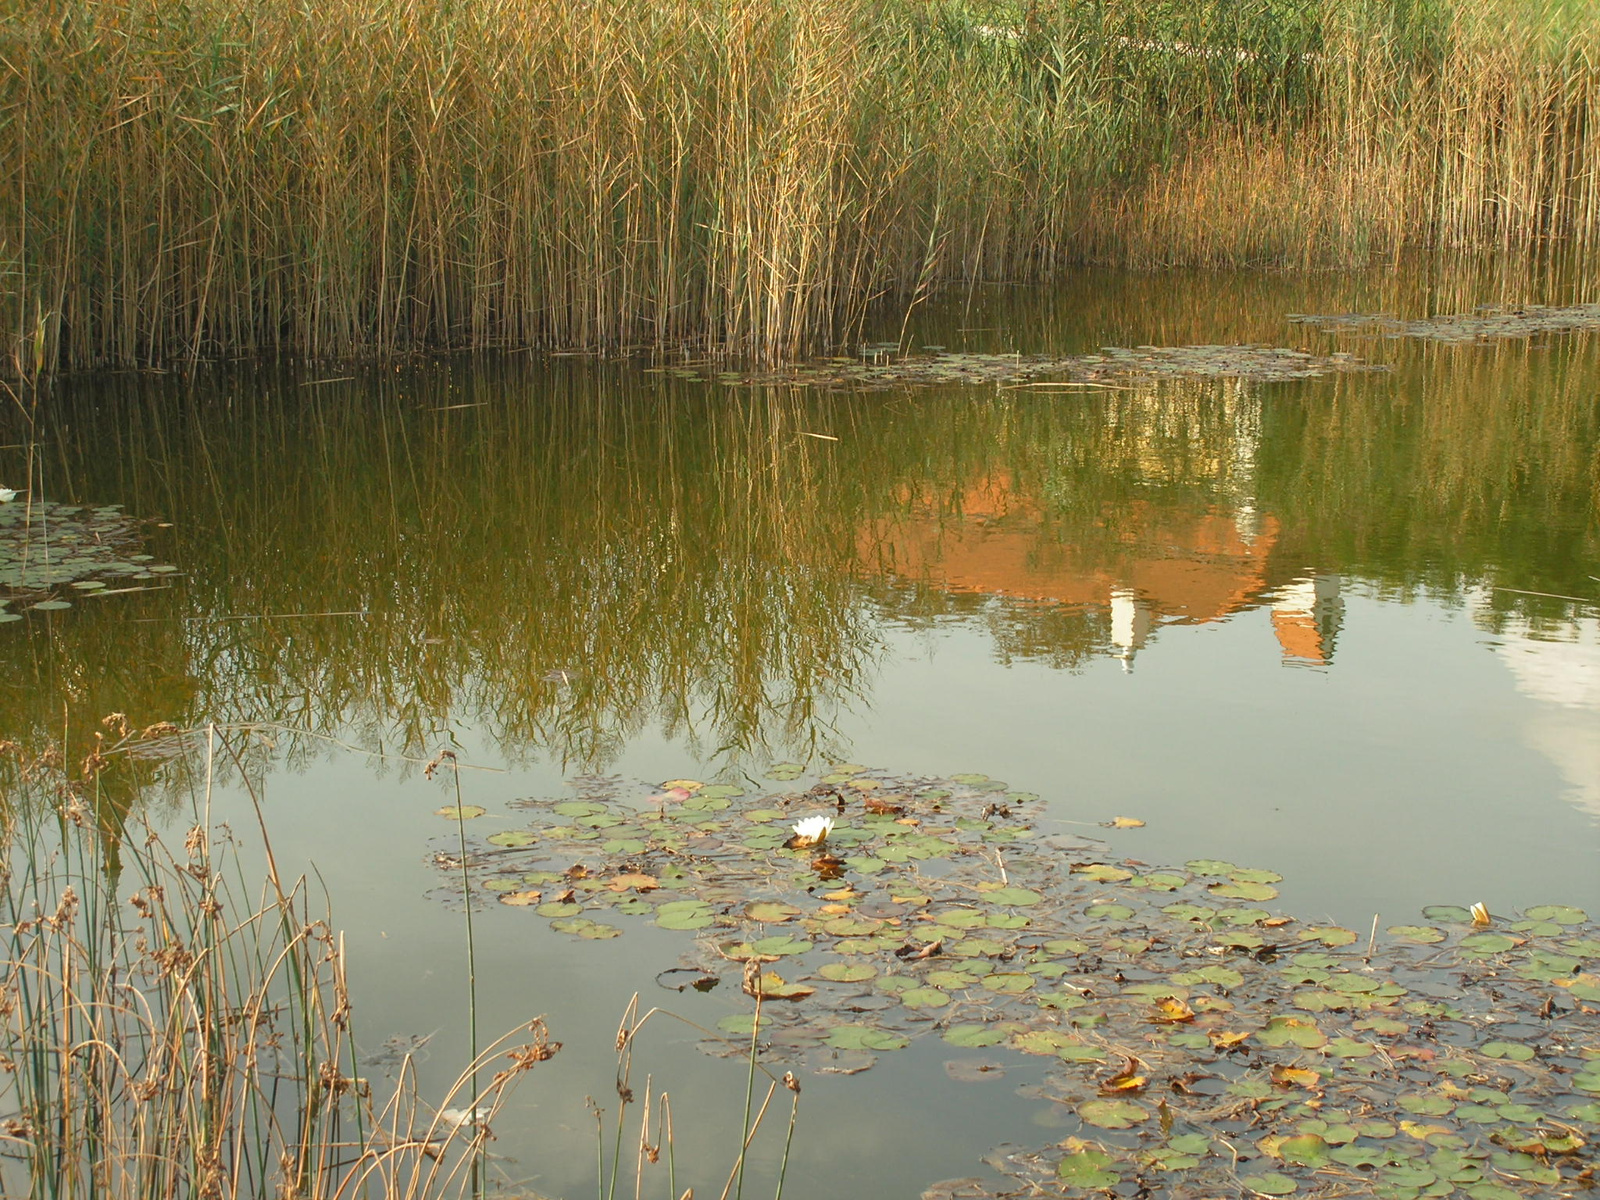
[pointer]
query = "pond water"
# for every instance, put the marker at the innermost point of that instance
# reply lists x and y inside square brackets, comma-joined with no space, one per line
[1342,627]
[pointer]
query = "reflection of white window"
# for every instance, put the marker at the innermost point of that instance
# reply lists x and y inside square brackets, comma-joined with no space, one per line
[1130,624]
[1564,676]
[1247,522]
[1305,617]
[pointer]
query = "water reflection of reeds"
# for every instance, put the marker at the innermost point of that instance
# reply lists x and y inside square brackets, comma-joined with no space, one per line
[566,557]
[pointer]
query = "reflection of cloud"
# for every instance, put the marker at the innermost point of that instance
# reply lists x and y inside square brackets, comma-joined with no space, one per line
[1563,676]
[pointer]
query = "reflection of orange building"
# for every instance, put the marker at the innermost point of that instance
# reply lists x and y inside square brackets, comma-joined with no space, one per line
[1153,566]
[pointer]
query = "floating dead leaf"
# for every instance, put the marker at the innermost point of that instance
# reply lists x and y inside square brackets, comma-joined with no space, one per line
[520,899]
[684,785]
[887,806]
[565,897]
[1294,1076]
[912,952]
[1171,1010]
[1227,1039]
[1124,823]
[828,867]
[636,880]
[1125,1082]
[772,986]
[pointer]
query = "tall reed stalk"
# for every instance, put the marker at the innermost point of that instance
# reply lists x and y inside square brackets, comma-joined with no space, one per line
[224,177]
[163,1037]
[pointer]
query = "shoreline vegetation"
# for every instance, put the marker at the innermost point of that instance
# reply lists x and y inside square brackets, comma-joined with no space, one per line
[176,1019]
[745,177]
[163,1033]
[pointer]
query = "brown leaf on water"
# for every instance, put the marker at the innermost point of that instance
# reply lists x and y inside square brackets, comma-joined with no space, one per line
[1226,1039]
[1124,823]
[828,867]
[565,897]
[911,952]
[1125,1081]
[1170,1010]
[577,871]
[633,879]
[520,899]
[885,805]
[771,986]
[1296,1077]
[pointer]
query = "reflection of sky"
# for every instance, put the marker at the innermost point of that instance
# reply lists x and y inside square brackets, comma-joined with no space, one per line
[1560,671]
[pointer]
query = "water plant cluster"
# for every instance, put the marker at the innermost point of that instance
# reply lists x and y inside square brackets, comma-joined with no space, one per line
[1486,323]
[884,367]
[222,178]
[1201,1042]
[49,551]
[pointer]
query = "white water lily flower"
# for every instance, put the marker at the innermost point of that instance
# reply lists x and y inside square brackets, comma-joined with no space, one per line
[7,495]
[813,831]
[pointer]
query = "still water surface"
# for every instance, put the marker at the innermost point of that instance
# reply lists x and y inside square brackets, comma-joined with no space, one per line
[1292,625]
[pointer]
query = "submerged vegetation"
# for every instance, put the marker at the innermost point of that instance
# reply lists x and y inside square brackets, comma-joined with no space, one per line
[224,178]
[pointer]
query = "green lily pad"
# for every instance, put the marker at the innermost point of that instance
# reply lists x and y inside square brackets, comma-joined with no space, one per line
[865,1037]
[924,997]
[1292,1031]
[841,972]
[1425,935]
[1113,1114]
[1087,1169]
[770,911]
[464,812]
[974,1036]
[1270,1184]
[684,915]
[1013,897]
[1559,914]
[1515,1051]
[1304,1150]
[1243,891]
[781,945]
[1008,982]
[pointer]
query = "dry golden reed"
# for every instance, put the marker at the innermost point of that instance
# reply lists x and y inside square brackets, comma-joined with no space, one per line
[161,1036]
[227,177]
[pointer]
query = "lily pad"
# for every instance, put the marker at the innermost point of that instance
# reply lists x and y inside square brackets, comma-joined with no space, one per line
[866,1037]
[1113,1114]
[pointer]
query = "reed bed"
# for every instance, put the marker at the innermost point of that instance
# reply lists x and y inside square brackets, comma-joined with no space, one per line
[230,178]
[164,1036]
